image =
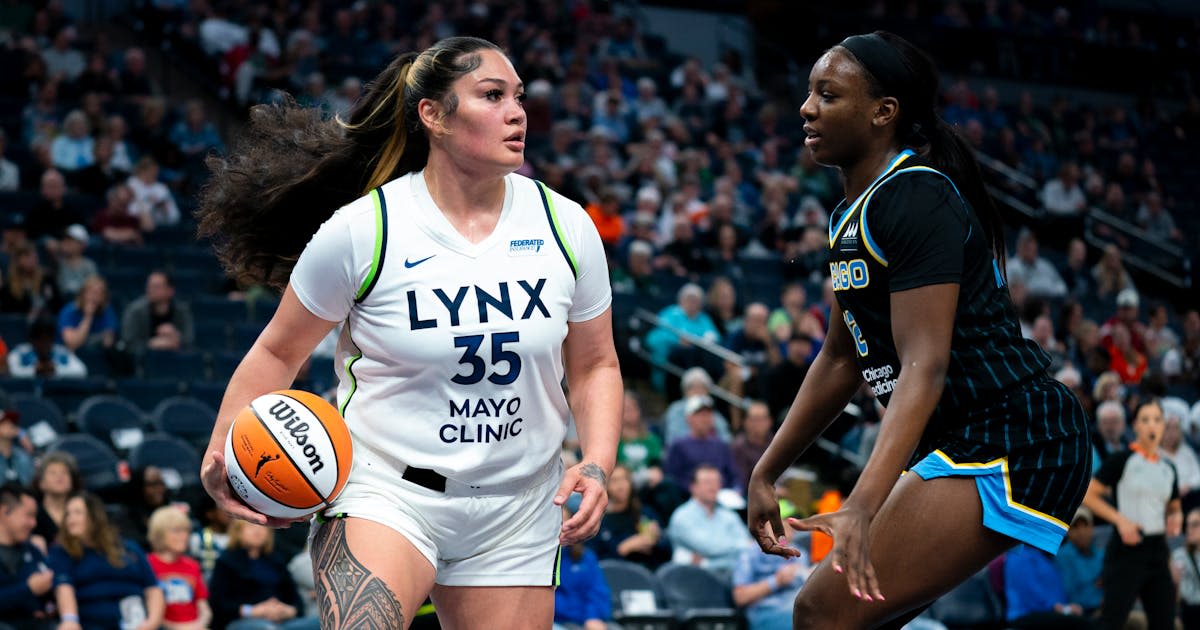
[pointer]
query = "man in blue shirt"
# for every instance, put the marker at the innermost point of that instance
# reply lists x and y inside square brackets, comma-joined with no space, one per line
[766,585]
[704,533]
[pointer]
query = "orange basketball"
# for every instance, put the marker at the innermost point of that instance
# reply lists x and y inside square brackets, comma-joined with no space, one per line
[288,453]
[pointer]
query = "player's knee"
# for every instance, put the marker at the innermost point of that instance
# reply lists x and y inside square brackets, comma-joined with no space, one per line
[807,612]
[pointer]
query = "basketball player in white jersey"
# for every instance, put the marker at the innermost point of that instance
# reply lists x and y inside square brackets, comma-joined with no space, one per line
[468,293]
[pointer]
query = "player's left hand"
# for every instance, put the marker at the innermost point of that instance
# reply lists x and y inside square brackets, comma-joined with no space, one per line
[851,553]
[586,478]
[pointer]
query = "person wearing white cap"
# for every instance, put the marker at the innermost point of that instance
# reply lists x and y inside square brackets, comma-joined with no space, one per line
[1080,562]
[700,447]
[73,267]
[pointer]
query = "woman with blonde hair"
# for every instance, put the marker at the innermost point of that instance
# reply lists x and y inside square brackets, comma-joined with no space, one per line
[1110,274]
[28,288]
[101,582]
[90,318]
[178,573]
[252,588]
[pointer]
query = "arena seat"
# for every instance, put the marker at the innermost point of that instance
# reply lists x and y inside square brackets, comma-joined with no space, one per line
[69,393]
[699,599]
[14,328]
[186,418]
[638,602]
[41,418]
[168,452]
[183,365]
[114,420]
[147,393]
[218,309]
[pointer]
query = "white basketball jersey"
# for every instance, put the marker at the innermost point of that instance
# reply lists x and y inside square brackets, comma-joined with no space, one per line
[451,357]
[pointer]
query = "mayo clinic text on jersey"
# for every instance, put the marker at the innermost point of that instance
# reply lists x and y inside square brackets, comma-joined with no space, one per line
[485,432]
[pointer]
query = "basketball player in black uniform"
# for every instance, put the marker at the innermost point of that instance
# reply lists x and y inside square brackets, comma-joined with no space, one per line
[996,451]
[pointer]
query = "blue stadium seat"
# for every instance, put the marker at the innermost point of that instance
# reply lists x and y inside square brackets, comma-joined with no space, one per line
[244,335]
[14,328]
[169,453]
[321,374]
[191,284]
[195,259]
[180,365]
[630,582]
[207,392]
[126,284]
[263,309]
[218,309]
[186,418]
[97,461]
[145,258]
[36,411]
[223,365]
[14,385]
[699,599]
[147,393]
[211,335]
[970,605]
[112,419]
[96,360]
[69,393]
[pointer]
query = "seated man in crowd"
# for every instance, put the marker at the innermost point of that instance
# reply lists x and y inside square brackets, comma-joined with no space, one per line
[157,321]
[766,585]
[25,580]
[702,446]
[705,533]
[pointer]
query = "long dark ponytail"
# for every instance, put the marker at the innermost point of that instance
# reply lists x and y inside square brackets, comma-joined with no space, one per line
[921,128]
[292,168]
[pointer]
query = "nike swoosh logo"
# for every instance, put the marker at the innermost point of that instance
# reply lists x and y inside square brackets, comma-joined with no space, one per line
[409,264]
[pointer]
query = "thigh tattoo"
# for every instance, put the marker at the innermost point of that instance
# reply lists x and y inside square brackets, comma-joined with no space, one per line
[349,596]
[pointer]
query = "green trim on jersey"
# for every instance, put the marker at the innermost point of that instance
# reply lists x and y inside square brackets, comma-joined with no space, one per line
[556,228]
[350,372]
[557,568]
[380,246]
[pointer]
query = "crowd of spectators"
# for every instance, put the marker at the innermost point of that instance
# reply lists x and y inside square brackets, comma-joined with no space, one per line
[712,213]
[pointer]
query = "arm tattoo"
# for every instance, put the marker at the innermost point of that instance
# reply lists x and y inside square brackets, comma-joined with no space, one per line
[592,471]
[349,596]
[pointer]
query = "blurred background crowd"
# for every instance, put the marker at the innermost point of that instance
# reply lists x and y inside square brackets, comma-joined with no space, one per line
[678,130]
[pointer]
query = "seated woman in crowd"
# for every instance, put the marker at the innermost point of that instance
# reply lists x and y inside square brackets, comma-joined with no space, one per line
[629,530]
[178,574]
[251,588]
[101,582]
[90,318]
[55,479]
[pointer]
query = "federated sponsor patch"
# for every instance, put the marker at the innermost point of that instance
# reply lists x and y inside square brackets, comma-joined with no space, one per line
[525,247]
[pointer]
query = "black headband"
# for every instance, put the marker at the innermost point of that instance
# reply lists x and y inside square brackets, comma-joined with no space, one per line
[881,60]
[887,65]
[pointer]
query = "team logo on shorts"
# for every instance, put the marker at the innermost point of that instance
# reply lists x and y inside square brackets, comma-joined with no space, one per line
[525,247]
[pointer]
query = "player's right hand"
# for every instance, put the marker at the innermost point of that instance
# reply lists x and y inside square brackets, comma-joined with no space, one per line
[216,482]
[762,516]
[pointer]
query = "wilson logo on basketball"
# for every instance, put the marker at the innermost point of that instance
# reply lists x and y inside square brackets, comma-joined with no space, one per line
[282,412]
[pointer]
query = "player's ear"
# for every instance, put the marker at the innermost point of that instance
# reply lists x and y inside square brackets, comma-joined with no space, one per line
[887,109]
